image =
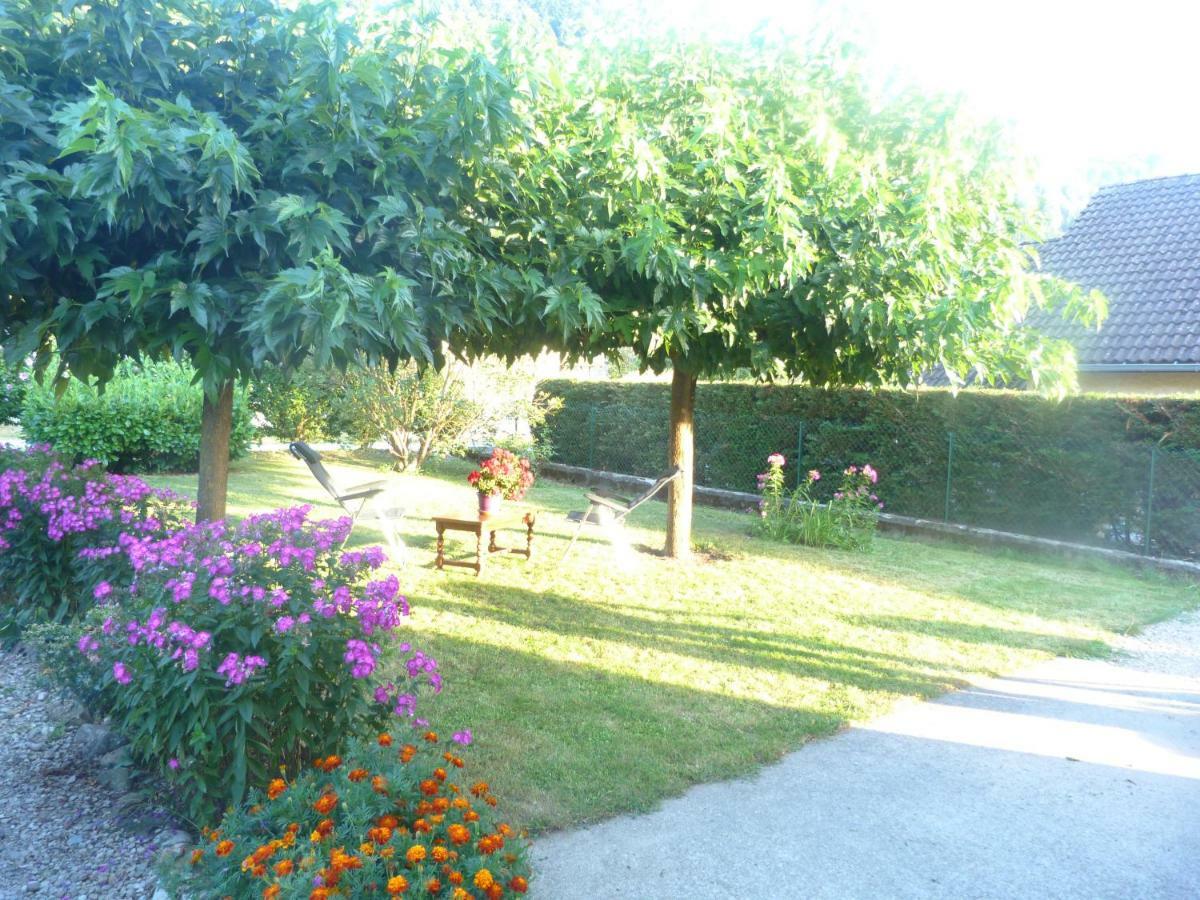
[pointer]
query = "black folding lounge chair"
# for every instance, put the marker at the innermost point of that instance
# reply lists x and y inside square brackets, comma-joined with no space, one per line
[356,500]
[610,510]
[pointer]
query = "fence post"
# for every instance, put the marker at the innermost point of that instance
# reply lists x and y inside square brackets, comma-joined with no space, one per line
[1149,501]
[949,471]
[591,437]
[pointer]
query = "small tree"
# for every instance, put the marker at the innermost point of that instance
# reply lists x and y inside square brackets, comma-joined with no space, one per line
[423,410]
[241,184]
[746,208]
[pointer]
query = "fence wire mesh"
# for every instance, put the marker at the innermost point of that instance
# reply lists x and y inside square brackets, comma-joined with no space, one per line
[1133,496]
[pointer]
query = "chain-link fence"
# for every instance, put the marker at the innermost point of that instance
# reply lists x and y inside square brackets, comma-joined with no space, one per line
[1129,495]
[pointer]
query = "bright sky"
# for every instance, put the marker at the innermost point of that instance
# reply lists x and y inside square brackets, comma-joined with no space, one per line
[1094,92]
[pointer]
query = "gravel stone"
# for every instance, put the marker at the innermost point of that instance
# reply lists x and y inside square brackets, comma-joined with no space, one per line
[102,846]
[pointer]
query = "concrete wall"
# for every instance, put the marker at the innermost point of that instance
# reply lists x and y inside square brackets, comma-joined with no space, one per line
[1144,383]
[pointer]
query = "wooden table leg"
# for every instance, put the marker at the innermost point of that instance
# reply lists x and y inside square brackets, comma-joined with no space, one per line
[479,554]
[441,546]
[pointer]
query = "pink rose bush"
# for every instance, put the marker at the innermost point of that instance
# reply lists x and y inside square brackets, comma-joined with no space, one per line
[847,520]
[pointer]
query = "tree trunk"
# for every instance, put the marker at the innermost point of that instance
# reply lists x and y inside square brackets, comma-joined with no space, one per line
[216,422]
[680,455]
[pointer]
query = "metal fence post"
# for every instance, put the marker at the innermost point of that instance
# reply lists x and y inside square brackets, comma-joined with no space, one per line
[949,475]
[591,437]
[799,448]
[1150,500]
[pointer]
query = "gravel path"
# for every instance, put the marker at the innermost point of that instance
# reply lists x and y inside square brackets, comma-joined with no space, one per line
[1072,779]
[62,833]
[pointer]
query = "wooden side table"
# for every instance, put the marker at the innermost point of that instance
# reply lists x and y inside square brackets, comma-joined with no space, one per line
[478,526]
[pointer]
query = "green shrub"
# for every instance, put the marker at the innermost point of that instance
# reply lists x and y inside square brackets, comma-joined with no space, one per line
[395,817]
[50,515]
[241,648]
[13,382]
[1073,470]
[146,419]
[299,405]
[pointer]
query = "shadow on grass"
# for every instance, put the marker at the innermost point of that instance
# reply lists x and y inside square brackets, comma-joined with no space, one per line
[571,743]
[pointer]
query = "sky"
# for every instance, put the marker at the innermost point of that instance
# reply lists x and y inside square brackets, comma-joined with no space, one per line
[1094,93]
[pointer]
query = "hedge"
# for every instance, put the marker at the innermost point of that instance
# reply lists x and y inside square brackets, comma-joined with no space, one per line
[1076,470]
[147,419]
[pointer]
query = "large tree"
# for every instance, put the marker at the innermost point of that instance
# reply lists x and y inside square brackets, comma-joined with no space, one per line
[746,208]
[241,184]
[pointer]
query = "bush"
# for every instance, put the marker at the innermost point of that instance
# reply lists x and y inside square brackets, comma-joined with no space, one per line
[846,521]
[13,381]
[146,419]
[299,405]
[390,819]
[1071,470]
[49,513]
[241,648]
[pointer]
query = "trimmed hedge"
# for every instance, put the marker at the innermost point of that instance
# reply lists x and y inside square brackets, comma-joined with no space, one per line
[1073,470]
[147,419]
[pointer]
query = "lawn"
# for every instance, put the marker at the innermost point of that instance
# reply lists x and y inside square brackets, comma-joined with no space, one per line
[594,689]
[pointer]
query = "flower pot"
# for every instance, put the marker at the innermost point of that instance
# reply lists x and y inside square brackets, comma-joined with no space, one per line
[488,503]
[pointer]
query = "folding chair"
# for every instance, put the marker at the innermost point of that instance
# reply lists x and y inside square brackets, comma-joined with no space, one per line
[610,511]
[355,500]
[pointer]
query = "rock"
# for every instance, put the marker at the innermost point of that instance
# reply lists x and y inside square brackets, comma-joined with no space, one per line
[92,741]
[160,894]
[114,770]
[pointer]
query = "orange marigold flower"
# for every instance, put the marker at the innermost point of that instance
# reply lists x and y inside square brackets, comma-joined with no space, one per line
[470,816]
[518,885]
[495,892]
[197,855]
[275,788]
[366,849]
[407,752]
[433,885]
[271,891]
[483,879]
[325,827]
[326,803]
[387,821]
[385,740]
[429,787]
[357,775]
[387,852]
[379,784]
[258,871]
[505,829]
[397,884]
[321,893]
[459,834]
[293,828]
[416,854]
[461,803]
[284,867]
[457,762]
[224,848]
[479,788]
[489,800]
[420,825]
[460,894]
[431,736]
[380,834]
[440,774]
[439,854]
[437,820]
[455,878]
[441,804]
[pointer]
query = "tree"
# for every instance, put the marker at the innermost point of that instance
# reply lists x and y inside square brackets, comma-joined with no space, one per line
[752,208]
[240,184]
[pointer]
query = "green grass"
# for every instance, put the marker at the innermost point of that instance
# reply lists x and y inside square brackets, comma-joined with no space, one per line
[593,691]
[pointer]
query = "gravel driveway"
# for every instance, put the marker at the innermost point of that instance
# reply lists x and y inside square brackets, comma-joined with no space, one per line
[1072,779]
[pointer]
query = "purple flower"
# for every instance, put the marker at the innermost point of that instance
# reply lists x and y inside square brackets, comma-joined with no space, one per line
[776,460]
[121,673]
[462,737]
[102,590]
[173,764]
[814,475]
[284,624]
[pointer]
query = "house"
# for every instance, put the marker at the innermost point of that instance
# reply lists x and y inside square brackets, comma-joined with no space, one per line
[1139,245]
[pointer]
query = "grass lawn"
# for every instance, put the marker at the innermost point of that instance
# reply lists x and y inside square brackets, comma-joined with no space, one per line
[594,690]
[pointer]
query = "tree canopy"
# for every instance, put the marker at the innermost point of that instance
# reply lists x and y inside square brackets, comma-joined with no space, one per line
[240,184]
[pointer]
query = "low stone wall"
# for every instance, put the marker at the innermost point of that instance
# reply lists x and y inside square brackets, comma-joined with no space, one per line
[985,537]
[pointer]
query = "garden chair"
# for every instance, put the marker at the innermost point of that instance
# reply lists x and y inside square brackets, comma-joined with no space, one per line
[356,500]
[610,511]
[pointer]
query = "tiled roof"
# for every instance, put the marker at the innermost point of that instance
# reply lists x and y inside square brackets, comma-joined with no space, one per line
[1139,244]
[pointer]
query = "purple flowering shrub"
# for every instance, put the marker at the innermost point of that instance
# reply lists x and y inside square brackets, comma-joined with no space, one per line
[49,512]
[846,521]
[237,648]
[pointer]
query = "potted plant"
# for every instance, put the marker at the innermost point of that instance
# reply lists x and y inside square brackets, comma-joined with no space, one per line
[502,475]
